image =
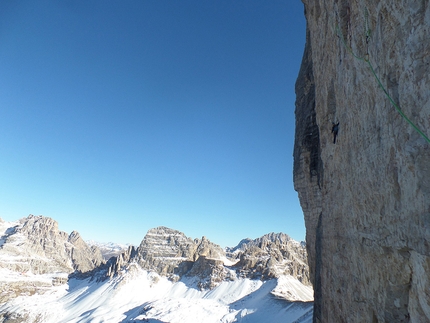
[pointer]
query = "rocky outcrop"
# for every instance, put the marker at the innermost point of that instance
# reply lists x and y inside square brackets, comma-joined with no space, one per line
[208,249]
[36,245]
[163,249]
[271,256]
[365,198]
[84,258]
[115,264]
[209,273]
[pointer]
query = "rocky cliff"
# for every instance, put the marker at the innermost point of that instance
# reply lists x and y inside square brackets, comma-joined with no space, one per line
[366,198]
[272,255]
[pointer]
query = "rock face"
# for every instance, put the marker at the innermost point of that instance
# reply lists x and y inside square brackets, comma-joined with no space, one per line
[209,273]
[36,245]
[163,249]
[366,199]
[273,255]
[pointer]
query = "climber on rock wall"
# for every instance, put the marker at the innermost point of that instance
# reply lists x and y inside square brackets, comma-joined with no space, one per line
[335,130]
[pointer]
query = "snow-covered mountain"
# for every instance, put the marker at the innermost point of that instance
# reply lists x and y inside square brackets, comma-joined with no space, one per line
[35,244]
[168,278]
[35,255]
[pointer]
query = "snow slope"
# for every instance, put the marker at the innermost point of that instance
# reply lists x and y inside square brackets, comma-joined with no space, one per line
[140,296]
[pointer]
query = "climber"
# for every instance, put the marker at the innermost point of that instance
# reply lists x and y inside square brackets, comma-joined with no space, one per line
[335,130]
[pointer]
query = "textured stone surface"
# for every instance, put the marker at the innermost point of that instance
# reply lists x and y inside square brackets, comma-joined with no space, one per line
[209,272]
[208,249]
[163,249]
[36,245]
[273,255]
[170,253]
[115,264]
[366,198]
[84,258]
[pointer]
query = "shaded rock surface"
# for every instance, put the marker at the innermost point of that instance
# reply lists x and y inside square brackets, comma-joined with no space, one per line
[365,198]
[209,273]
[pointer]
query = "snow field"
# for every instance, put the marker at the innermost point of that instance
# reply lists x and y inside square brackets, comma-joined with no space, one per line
[138,296]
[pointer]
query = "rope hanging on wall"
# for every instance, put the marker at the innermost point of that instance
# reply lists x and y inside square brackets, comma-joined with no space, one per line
[366,59]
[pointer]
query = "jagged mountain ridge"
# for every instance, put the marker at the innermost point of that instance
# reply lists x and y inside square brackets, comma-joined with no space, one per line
[170,253]
[229,255]
[44,249]
[53,263]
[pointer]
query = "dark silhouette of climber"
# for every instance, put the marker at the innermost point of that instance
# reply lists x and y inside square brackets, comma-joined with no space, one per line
[334,131]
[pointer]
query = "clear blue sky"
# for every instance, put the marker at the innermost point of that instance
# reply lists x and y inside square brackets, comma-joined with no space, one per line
[120,116]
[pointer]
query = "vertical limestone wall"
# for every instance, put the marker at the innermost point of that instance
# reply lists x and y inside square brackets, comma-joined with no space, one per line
[366,199]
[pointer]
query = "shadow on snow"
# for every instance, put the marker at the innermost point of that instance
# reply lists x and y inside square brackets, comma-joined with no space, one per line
[256,307]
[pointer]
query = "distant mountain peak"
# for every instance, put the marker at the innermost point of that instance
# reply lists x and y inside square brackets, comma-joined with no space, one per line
[55,250]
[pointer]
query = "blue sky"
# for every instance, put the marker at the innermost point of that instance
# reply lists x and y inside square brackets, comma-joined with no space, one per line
[120,116]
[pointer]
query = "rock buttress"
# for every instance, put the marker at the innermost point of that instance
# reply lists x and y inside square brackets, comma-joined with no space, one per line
[366,199]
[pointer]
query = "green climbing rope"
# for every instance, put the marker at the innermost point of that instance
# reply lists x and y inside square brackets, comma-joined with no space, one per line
[367,60]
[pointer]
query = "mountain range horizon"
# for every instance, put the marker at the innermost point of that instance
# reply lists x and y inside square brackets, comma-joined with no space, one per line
[40,263]
[113,242]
